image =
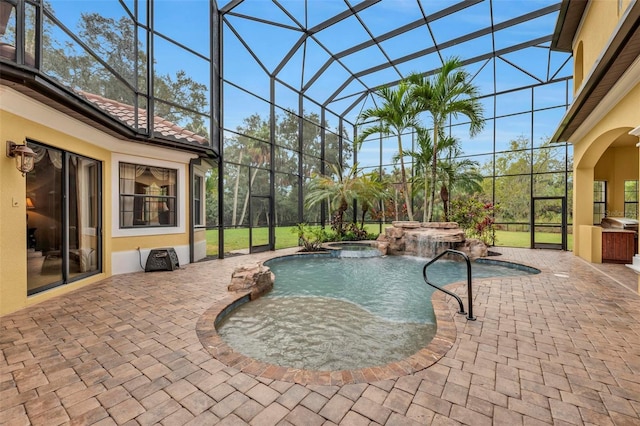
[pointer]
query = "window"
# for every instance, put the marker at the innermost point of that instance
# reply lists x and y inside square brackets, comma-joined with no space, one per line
[578,66]
[147,196]
[631,199]
[198,188]
[599,201]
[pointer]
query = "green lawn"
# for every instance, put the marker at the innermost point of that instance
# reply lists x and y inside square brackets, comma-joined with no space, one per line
[523,239]
[238,239]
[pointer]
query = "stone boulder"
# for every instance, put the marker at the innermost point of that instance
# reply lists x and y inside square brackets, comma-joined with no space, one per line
[393,239]
[383,247]
[439,225]
[429,239]
[257,278]
[474,248]
[408,224]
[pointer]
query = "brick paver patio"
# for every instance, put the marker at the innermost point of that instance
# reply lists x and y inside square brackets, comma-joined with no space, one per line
[561,347]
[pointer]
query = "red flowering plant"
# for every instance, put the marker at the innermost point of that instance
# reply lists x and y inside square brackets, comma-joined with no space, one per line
[388,212]
[476,217]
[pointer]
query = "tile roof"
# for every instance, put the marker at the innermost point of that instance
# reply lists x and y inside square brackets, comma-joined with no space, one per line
[126,114]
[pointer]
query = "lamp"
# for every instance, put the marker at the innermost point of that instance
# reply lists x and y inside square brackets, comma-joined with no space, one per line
[24,156]
[29,204]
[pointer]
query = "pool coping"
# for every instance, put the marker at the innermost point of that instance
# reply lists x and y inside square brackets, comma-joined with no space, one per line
[441,343]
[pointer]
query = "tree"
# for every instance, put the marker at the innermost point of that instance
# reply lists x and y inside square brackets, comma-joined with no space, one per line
[396,115]
[369,190]
[212,198]
[247,147]
[338,192]
[449,93]
[456,174]
[513,170]
[179,98]
[391,198]
[340,189]
[453,173]
[248,154]
[476,215]
[422,164]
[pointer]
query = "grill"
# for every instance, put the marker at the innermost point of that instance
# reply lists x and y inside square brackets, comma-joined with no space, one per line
[625,223]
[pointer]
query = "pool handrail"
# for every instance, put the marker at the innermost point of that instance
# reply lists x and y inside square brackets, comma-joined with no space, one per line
[466,258]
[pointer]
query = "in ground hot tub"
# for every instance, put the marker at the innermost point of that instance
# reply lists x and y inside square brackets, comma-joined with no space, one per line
[354,249]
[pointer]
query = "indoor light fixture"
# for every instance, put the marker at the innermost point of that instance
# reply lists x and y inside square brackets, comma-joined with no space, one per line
[29,204]
[24,156]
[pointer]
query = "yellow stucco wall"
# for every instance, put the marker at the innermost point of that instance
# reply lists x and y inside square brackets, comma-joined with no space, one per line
[53,128]
[615,166]
[150,241]
[597,26]
[604,127]
[591,236]
[620,120]
[13,262]
[200,234]
[606,124]
[599,22]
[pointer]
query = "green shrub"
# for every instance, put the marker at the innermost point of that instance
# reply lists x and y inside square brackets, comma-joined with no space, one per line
[476,216]
[310,237]
[354,233]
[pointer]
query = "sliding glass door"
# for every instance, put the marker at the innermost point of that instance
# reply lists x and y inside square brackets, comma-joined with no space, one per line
[64,219]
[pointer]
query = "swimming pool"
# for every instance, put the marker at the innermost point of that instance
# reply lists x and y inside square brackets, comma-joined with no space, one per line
[328,313]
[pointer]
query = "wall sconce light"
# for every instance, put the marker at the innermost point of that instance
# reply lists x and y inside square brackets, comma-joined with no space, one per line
[24,156]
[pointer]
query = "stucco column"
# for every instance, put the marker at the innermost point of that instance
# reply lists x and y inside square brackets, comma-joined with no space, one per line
[636,259]
[582,211]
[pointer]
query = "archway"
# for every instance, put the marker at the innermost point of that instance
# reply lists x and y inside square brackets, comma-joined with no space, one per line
[612,157]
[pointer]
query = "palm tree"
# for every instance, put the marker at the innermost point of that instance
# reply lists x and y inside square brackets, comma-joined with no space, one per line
[369,190]
[448,94]
[396,115]
[339,192]
[341,188]
[452,172]
[421,165]
[390,197]
[457,174]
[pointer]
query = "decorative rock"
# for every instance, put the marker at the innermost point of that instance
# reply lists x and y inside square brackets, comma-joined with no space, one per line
[393,238]
[257,278]
[474,248]
[429,240]
[394,232]
[383,247]
[409,224]
[440,225]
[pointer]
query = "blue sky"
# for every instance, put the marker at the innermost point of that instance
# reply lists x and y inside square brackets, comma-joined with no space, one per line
[186,21]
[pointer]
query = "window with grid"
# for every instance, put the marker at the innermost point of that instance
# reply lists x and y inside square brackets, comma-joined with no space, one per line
[147,196]
[631,199]
[599,201]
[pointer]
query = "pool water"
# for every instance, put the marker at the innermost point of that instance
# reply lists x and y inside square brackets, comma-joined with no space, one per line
[353,247]
[354,250]
[328,313]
